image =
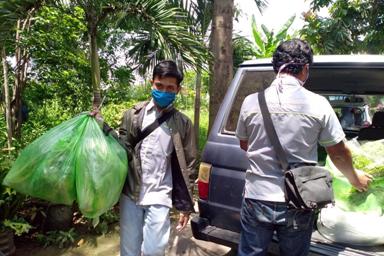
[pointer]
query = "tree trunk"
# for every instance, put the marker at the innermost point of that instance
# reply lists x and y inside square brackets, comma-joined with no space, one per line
[221,47]
[8,115]
[196,115]
[22,60]
[16,99]
[95,65]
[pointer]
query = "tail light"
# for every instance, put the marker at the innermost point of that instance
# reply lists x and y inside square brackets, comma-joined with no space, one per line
[203,180]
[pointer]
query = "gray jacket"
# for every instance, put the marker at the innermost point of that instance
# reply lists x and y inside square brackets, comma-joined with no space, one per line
[183,160]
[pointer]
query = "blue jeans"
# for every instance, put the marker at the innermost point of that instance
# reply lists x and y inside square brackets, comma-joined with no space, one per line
[260,219]
[144,230]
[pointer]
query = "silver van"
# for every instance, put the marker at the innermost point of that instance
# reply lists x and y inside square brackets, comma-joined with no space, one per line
[354,83]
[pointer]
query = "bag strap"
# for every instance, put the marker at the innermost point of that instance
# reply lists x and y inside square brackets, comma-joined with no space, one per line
[271,132]
[150,128]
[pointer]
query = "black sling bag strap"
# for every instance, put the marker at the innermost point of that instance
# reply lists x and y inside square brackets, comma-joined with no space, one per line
[307,187]
[150,128]
[141,133]
[271,132]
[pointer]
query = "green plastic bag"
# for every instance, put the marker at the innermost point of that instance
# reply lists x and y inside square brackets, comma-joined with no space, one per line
[369,158]
[101,169]
[73,161]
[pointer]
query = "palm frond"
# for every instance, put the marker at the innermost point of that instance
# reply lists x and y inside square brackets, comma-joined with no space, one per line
[162,30]
[261,5]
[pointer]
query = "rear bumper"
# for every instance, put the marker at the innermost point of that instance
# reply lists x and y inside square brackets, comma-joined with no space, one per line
[203,231]
[319,246]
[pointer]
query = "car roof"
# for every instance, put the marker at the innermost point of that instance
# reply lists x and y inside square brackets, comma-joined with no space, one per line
[319,60]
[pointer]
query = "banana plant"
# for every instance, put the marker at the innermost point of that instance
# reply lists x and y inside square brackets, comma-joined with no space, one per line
[266,40]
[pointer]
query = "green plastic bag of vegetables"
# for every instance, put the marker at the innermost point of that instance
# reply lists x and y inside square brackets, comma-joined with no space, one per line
[73,161]
[368,157]
[101,169]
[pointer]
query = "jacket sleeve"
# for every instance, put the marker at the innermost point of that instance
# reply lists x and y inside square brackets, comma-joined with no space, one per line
[125,130]
[190,151]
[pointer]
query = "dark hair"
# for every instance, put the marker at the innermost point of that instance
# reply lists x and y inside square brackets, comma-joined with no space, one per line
[296,52]
[167,68]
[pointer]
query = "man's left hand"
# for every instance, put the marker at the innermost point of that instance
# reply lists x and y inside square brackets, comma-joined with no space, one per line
[183,221]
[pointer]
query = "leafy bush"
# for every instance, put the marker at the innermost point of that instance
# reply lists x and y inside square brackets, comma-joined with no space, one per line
[108,218]
[10,200]
[112,113]
[18,225]
[59,238]
[203,127]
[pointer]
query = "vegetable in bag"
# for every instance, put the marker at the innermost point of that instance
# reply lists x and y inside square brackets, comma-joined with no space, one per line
[369,158]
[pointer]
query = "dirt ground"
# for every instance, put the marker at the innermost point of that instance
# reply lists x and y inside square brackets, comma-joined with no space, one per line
[98,245]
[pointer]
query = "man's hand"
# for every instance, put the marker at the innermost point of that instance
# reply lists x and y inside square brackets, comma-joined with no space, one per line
[96,113]
[183,221]
[362,180]
[341,156]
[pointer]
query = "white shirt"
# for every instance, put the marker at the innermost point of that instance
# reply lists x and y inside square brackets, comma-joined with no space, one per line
[155,153]
[301,119]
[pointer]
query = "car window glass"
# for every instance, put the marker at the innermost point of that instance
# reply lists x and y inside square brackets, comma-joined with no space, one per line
[353,111]
[251,82]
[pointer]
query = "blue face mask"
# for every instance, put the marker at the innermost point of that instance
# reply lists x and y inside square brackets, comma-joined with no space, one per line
[163,99]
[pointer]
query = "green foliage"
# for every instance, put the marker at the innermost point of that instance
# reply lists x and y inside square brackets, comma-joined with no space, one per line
[18,225]
[203,128]
[266,40]
[261,5]
[60,65]
[353,27]
[11,11]
[10,200]
[190,81]
[243,49]
[108,218]
[112,111]
[185,98]
[58,238]
[162,33]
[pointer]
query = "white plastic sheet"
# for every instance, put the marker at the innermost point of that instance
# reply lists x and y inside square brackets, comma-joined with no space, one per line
[355,228]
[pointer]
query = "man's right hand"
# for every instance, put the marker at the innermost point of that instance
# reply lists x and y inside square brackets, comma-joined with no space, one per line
[341,157]
[95,113]
[361,181]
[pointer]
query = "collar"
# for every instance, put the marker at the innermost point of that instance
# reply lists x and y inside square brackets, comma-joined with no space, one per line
[286,79]
[152,107]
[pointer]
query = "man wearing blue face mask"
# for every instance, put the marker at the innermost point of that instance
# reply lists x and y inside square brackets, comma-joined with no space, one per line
[160,166]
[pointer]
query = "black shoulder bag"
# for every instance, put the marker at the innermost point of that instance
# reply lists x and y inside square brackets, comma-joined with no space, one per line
[307,187]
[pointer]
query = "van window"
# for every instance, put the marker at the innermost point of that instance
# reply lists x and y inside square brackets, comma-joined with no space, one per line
[251,82]
[354,111]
